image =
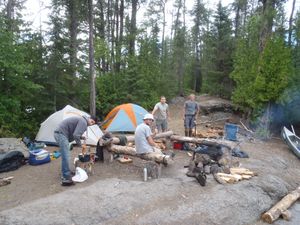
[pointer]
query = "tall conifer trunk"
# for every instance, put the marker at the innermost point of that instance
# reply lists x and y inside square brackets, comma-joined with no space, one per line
[133,29]
[91,60]
[291,23]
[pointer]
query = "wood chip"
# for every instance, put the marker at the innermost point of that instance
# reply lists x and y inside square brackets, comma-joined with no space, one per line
[124,160]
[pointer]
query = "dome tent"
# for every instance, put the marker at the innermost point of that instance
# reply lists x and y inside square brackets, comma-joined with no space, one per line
[124,118]
[46,132]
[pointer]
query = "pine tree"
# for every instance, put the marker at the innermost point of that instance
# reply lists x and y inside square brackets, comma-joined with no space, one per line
[221,43]
[200,14]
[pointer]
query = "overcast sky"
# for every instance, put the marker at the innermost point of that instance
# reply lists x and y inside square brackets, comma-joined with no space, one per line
[38,10]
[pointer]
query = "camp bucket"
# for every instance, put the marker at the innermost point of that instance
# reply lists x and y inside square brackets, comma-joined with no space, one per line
[231,131]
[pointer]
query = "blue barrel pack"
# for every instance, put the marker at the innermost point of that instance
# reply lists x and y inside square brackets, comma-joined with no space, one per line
[38,157]
[231,131]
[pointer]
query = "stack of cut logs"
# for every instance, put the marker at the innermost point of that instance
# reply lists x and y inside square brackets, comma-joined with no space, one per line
[236,174]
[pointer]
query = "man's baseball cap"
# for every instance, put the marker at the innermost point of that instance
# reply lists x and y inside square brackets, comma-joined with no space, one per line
[148,116]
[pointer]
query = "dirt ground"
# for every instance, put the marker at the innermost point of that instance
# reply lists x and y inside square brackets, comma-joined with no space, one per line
[116,194]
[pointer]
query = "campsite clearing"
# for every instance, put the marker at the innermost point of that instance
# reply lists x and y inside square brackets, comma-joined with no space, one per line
[116,194]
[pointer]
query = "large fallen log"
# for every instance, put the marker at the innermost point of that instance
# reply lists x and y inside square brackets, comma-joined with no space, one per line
[205,141]
[126,150]
[169,134]
[130,138]
[281,207]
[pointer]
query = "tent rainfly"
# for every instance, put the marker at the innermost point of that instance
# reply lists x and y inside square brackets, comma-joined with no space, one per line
[124,118]
[46,132]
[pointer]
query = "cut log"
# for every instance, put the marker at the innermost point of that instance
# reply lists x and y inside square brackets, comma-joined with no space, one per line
[169,134]
[219,179]
[225,143]
[242,171]
[277,210]
[286,215]
[130,138]
[234,176]
[116,140]
[122,150]
[159,158]
[246,177]
[230,180]
[166,134]
[5,181]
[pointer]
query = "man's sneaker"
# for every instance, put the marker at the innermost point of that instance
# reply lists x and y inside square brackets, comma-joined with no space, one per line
[67,182]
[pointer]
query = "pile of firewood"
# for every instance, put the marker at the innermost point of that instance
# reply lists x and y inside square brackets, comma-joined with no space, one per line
[236,175]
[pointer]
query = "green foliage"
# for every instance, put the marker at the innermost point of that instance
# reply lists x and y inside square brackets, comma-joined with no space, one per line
[261,78]
[40,75]
[274,70]
[140,83]
[18,88]
[218,55]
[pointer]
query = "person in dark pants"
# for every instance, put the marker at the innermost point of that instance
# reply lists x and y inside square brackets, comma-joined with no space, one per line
[191,110]
[67,131]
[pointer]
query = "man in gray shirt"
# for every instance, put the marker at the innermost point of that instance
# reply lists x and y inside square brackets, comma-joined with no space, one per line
[191,109]
[144,143]
[161,115]
[67,131]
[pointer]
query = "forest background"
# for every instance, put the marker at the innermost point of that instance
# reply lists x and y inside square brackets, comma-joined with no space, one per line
[97,54]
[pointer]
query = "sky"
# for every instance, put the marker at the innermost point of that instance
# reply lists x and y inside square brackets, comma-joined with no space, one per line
[37,11]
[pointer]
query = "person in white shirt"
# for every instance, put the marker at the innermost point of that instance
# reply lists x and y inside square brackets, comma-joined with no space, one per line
[144,143]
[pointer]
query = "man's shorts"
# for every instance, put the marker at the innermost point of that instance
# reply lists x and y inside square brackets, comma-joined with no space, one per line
[189,121]
[161,125]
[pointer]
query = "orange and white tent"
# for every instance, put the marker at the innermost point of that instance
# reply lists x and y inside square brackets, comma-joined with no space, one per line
[124,118]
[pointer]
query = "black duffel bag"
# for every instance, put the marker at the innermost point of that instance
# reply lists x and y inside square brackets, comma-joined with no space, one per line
[11,161]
